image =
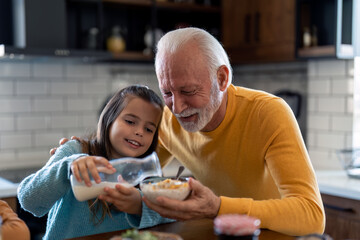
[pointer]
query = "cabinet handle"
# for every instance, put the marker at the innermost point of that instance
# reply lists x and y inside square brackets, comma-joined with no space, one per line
[257,27]
[247,24]
[340,209]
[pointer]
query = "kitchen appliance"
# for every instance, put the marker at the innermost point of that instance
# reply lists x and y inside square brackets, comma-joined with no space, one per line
[350,160]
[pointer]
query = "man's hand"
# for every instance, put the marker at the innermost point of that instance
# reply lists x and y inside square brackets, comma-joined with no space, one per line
[125,199]
[202,203]
[61,142]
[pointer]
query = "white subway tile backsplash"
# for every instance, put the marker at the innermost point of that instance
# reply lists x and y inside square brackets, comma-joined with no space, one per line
[350,104]
[48,70]
[95,88]
[7,123]
[322,160]
[320,122]
[89,121]
[15,140]
[317,156]
[332,104]
[32,122]
[334,159]
[312,68]
[342,123]
[81,133]
[137,78]
[10,69]
[350,68]
[42,102]
[343,86]
[31,88]
[337,105]
[64,88]
[319,86]
[64,121]
[332,68]
[7,156]
[349,140]
[6,88]
[103,70]
[48,138]
[79,70]
[311,138]
[48,104]
[80,104]
[331,140]
[312,103]
[15,105]
[119,84]
[36,157]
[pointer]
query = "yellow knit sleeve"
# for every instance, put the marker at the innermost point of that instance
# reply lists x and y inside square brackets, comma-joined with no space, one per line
[299,209]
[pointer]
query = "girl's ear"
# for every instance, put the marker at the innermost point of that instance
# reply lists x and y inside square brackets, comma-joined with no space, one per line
[222,77]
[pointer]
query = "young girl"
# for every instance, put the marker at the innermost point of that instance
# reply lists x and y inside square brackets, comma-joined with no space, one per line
[128,127]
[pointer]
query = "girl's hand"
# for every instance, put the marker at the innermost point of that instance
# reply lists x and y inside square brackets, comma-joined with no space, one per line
[125,199]
[93,164]
[63,141]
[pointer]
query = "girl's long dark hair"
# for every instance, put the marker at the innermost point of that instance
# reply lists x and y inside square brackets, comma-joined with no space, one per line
[99,144]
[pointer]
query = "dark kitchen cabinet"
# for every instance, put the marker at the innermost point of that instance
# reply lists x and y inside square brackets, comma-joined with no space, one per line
[329,26]
[259,30]
[342,217]
[86,25]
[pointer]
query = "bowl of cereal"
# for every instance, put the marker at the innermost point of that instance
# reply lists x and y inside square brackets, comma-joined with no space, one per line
[172,188]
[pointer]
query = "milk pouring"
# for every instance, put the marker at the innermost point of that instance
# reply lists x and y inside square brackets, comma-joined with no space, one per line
[129,172]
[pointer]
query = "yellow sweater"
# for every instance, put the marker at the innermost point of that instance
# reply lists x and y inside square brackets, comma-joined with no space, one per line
[255,160]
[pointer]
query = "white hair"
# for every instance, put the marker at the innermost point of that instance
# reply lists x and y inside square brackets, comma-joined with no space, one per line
[208,45]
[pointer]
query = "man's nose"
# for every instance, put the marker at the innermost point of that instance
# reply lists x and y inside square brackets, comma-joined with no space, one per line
[178,104]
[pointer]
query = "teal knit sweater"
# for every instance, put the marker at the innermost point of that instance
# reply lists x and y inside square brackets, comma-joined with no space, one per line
[48,191]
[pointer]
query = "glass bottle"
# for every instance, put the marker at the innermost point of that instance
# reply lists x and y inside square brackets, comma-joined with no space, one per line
[306,37]
[129,172]
[92,40]
[314,37]
[116,43]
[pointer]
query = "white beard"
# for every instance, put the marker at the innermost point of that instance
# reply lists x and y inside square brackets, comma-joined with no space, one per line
[205,114]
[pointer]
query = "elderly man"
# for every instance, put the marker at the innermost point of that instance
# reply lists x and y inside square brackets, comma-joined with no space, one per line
[243,146]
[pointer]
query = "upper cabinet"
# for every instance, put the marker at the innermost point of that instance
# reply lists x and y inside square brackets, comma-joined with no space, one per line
[105,29]
[251,31]
[285,30]
[326,28]
[259,30]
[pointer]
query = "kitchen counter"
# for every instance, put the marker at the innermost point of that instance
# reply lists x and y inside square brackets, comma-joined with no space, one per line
[337,183]
[7,188]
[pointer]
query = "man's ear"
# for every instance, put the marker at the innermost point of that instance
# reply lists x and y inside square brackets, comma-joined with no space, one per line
[222,77]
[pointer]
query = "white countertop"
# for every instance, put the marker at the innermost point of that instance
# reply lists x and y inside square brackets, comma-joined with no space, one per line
[7,189]
[337,183]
